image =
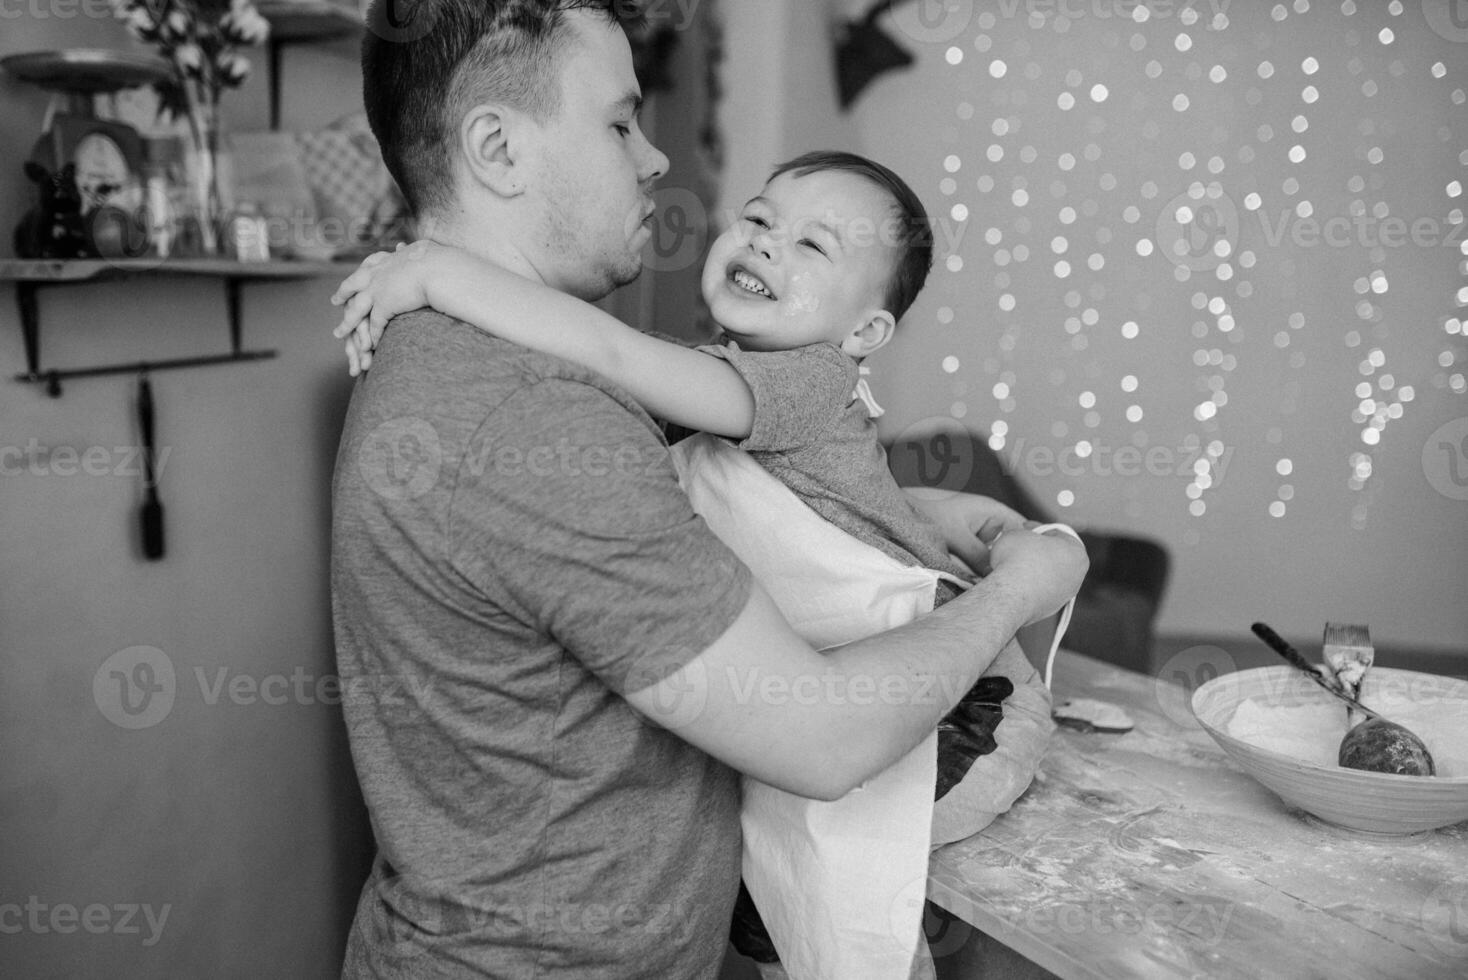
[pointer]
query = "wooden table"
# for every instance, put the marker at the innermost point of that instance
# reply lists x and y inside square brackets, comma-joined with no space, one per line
[1149,854]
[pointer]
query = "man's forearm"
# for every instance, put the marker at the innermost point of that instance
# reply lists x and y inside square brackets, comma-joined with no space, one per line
[920,671]
[761,700]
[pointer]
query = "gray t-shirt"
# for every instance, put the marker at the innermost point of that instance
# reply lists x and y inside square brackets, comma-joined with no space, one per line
[816,437]
[511,554]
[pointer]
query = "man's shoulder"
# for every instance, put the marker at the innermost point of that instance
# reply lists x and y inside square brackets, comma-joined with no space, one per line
[428,356]
[462,352]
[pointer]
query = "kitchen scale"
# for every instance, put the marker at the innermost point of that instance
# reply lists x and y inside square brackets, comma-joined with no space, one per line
[107,153]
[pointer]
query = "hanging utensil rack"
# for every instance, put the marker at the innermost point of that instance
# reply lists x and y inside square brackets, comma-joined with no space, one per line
[30,276]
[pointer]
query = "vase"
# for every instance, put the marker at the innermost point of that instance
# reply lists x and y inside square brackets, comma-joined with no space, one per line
[205,178]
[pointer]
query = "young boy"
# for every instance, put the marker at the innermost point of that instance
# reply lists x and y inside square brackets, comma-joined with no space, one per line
[811,279]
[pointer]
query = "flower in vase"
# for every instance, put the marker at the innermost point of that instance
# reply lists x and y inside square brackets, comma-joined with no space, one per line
[233,68]
[189,57]
[199,37]
[140,23]
[244,24]
[177,24]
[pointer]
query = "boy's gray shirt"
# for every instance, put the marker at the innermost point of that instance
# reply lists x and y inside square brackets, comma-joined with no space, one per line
[511,554]
[815,436]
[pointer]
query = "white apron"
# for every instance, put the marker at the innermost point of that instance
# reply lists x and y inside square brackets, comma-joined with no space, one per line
[839,885]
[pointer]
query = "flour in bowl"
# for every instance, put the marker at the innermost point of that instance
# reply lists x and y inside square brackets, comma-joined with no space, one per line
[1313,732]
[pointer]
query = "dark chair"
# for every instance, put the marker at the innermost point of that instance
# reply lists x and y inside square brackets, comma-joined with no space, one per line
[1117,604]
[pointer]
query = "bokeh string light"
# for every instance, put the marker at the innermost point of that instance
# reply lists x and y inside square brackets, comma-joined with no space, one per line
[1103,237]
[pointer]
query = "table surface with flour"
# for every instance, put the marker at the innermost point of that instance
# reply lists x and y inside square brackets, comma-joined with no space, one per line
[1148,854]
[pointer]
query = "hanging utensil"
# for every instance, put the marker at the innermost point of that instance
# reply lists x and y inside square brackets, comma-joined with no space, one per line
[152,512]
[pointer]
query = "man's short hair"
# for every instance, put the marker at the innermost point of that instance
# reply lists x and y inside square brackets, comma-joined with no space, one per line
[419,82]
[913,237]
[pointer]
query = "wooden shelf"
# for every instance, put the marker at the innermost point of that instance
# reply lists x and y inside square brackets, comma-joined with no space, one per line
[58,271]
[314,20]
[291,22]
[30,275]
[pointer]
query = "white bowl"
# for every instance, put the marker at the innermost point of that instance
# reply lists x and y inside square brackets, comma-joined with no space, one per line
[1382,803]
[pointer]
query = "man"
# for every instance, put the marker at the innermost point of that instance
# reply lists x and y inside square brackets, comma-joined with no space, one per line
[547,660]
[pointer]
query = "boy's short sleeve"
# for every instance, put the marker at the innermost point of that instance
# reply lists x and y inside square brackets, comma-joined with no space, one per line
[573,521]
[799,395]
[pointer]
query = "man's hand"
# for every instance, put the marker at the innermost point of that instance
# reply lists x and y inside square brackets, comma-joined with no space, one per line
[969,522]
[384,285]
[1046,569]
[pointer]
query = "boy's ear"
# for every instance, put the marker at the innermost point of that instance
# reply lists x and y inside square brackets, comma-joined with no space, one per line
[490,139]
[871,336]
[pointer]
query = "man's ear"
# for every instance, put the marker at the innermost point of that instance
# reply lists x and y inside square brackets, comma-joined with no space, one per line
[871,336]
[490,138]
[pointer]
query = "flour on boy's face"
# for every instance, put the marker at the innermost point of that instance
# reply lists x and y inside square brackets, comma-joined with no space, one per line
[808,261]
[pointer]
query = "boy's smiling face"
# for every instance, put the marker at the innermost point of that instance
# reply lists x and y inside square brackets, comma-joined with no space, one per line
[808,261]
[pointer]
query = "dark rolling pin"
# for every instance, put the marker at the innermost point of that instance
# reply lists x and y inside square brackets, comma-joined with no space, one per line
[152,506]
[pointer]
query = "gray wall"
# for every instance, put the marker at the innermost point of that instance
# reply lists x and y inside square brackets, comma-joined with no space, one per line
[1391,551]
[237,816]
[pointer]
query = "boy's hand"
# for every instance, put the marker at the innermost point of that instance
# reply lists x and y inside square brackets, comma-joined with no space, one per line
[384,285]
[968,521]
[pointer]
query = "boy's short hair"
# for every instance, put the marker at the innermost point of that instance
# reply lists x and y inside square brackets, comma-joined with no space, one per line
[425,63]
[914,238]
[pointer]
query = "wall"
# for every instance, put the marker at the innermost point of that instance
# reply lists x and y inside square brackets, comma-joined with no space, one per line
[237,816]
[779,93]
[679,120]
[1002,337]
